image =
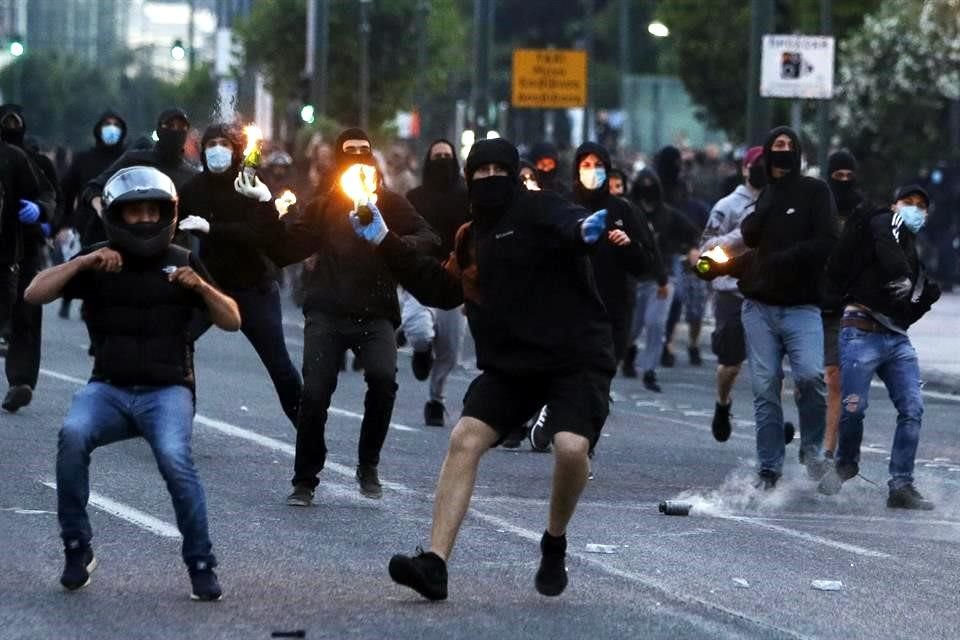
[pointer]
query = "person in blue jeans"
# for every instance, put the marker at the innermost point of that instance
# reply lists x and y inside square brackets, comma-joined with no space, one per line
[140,294]
[791,233]
[885,290]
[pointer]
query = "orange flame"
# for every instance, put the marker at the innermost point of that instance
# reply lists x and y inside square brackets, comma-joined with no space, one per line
[717,255]
[254,136]
[359,182]
[286,200]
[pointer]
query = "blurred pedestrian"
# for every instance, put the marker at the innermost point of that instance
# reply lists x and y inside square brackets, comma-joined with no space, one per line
[546,159]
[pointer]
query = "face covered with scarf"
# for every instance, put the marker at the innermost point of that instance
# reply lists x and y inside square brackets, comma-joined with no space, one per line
[493,179]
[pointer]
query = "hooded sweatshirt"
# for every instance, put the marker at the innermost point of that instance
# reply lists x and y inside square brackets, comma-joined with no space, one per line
[548,180]
[613,266]
[674,233]
[167,156]
[792,231]
[49,197]
[242,230]
[86,166]
[531,302]
[442,198]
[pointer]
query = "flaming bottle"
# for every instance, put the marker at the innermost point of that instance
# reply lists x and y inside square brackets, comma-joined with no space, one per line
[359,183]
[252,152]
[716,254]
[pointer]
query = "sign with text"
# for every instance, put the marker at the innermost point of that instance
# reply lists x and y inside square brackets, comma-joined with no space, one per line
[797,67]
[549,78]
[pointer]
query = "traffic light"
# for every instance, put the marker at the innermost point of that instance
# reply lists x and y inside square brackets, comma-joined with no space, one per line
[16,46]
[177,52]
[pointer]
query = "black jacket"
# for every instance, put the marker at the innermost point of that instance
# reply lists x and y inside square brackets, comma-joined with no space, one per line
[348,277]
[675,234]
[242,231]
[139,322]
[792,231]
[441,200]
[86,166]
[889,253]
[20,182]
[614,268]
[527,285]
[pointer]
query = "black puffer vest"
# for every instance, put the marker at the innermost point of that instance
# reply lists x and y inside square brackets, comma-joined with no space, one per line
[140,323]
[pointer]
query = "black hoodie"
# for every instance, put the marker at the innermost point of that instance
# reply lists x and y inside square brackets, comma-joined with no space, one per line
[442,198]
[531,300]
[548,180]
[675,234]
[242,230]
[613,265]
[87,165]
[167,159]
[49,199]
[792,231]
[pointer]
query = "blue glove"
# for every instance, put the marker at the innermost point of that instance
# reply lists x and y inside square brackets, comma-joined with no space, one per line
[47,230]
[594,226]
[29,212]
[376,231]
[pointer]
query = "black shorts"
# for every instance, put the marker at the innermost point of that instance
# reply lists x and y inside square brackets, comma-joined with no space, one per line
[576,402]
[727,340]
[831,340]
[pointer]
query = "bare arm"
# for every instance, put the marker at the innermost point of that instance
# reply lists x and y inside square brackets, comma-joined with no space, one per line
[224,312]
[48,285]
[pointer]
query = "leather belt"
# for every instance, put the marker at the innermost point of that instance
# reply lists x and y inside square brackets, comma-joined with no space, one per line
[864,324]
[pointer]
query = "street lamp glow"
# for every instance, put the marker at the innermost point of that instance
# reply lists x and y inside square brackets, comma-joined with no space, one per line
[658,29]
[308,113]
[16,49]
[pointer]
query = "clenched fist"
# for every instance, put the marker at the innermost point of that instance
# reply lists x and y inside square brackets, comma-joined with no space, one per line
[105,259]
[187,277]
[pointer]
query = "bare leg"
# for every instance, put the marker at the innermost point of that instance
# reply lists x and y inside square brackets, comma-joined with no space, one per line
[833,408]
[569,478]
[726,378]
[469,440]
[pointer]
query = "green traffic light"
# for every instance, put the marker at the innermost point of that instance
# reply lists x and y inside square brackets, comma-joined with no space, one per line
[308,114]
[17,49]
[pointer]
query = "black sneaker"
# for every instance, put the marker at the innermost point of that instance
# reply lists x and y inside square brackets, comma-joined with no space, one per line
[79,563]
[552,575]
[908,498]
[422,363]
[204,584]
[650,381]
[667,359]
[425,573]
[302,496]
[789,431]
[628,367]
[539,438]
[17,398]
[433,413]
[766,480]
[721,422]
[369,481]
[695,359]
[515,438]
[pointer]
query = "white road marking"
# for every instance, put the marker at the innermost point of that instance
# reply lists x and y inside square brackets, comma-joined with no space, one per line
[809,537]
[62,376]
[125,512]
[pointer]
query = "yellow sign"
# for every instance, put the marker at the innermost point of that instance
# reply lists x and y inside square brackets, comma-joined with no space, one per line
[549,78]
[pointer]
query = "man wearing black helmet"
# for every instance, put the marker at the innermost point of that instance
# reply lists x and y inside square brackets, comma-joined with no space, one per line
[140,294]
[551,349]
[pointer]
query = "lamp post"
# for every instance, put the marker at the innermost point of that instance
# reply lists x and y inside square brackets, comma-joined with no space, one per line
[364,64]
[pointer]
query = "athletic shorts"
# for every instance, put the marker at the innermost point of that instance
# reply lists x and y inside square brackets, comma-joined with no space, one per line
[727,340]
[576,402]
[831,340]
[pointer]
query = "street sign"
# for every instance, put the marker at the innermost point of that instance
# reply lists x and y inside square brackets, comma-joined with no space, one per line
[549,78]
[797,67]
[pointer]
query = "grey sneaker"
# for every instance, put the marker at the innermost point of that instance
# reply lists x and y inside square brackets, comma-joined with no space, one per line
[302,496]
[908,498]
[369,481]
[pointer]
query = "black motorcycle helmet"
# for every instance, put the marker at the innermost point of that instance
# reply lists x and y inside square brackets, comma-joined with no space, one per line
[135,184]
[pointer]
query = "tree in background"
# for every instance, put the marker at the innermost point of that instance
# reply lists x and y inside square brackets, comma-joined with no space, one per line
[897,77]
[274,38]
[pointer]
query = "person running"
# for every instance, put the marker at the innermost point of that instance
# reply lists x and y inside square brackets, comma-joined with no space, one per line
[553,349]
[141,294]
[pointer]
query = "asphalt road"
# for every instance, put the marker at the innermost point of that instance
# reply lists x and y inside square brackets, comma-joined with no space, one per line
[741,565]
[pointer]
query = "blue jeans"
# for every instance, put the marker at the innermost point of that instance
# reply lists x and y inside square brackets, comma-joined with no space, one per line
[650,313]
[102,414]
[892,357]
[771,333]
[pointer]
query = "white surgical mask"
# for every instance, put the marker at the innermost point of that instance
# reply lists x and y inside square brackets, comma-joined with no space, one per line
[593,177]
[110,134]
[218,158]
[913,217]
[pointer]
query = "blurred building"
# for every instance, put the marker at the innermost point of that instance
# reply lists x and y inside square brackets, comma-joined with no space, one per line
[90,30]
[154,26]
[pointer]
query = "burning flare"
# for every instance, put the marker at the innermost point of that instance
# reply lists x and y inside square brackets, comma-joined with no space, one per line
[286,200]
[716,254]
[359,183]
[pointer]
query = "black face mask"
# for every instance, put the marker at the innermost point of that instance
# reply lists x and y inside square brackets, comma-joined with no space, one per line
[785,160]
[649,194]
[547,179]
[845,194]
[440,173]
[12,135]
[492,196]
[757,176]
[170,143]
